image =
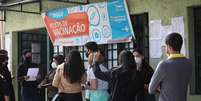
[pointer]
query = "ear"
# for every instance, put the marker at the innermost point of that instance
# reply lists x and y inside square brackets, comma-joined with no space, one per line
[170,48]
[167,47]
[89,51]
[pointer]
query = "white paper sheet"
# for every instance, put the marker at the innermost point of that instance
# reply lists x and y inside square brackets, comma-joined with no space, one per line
[165,31]
[155,29]
[155,48]
[158,34]
[32,73]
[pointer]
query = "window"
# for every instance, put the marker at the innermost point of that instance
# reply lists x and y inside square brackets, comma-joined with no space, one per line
[58,50]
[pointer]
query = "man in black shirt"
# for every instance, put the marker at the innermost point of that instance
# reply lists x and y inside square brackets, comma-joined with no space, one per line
[29,91]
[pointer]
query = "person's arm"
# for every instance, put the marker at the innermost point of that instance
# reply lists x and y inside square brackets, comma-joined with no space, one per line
[20,76]
[47,78]
[39,76]
[57,77]
[106,76]
[157,78]
[150,72]
[92,84]
[84,78]
[6,98]
[42,83]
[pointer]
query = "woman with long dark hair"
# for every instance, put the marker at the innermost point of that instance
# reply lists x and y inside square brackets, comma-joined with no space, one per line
[147,72]
[125,82]
[69,76]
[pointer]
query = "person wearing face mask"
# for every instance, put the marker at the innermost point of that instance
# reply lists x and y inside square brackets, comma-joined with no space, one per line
[6,87]
[125,82]
[29,91]
[172,75]
[147,72]
[100,90]
[91,51]
[47,82]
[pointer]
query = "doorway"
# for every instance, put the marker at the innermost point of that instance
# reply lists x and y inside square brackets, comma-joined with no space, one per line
[37,43]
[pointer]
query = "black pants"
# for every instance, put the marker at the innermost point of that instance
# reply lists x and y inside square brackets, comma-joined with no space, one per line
[87,100]
[70,97]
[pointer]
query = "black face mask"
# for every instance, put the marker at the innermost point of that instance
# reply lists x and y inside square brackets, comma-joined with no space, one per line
[87,54]
[28,59]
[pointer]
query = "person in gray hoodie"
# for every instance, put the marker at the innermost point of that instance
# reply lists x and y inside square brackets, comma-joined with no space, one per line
[172,76]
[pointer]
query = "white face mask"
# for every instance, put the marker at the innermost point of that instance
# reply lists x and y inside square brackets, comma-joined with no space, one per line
[138,60]
[54,65]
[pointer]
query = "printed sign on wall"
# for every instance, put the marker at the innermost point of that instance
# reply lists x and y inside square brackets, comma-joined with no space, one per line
[106,22]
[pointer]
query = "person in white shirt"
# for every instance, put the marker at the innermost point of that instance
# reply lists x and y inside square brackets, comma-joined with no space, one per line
[96,88]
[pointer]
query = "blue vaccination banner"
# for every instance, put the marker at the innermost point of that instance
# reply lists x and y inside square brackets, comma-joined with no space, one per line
[104,23]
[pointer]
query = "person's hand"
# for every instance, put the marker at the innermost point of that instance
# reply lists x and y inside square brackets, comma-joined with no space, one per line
[39,86]
[26,78]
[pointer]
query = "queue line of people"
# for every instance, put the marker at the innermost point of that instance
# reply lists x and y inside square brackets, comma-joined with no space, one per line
[132,80]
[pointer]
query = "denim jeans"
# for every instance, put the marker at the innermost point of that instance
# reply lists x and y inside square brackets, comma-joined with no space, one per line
[29,94]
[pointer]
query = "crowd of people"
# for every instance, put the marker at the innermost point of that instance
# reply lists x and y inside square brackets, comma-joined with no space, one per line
[133,80]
